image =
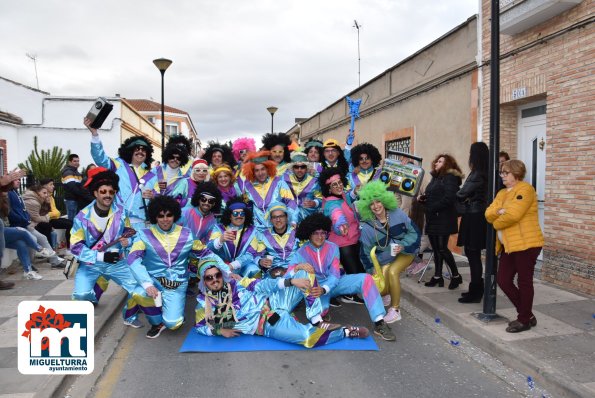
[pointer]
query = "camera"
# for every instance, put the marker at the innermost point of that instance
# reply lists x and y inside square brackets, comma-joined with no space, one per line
[99,112]
[402,178]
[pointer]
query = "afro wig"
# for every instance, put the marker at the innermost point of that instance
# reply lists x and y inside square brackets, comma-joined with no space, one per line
[126,150]
[105,177]
[215,146]
[210,189]
[273,139]
[241,144]
[248,166]
[367,149]
[226,216]
[171,150]
[312,223]
[164,204]
[327,173]
[180,141]
[372,191]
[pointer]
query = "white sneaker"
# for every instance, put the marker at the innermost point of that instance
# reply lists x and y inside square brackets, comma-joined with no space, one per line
[32,275]
[45,253]
[386,300]
[393,315]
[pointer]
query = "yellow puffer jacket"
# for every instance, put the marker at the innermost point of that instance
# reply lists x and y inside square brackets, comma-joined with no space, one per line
[519,225]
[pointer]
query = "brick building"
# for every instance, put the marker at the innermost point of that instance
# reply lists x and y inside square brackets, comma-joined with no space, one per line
[547,81]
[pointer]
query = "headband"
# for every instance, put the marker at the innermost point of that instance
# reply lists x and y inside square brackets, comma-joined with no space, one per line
[276,206]
[237,206]
[207,195]
[223,168]
[199,161]
[260,159]
[333,178]
[311,144]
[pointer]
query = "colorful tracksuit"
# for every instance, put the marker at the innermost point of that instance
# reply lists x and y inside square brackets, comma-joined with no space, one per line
[325,261]
[281,247]
[301,190]
[133,180]
[259,308]
[262,195]
[176,184]
[342,212]
[160,258]
[240,254]
[92,276]
[362,178]
[200,226]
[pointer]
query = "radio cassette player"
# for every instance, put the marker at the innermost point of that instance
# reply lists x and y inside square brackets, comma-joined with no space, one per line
[402,178]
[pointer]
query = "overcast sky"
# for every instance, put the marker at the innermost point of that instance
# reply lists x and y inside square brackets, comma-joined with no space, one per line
[231,59]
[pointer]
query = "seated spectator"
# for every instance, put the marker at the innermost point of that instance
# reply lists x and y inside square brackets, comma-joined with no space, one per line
[37,203]
[56,219]
[75,196]
[5,184]
[19,217]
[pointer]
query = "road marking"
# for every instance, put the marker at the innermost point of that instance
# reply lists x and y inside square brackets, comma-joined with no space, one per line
[105,387]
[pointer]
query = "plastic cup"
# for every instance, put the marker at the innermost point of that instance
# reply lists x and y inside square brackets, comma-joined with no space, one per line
[158,300]
[394,249]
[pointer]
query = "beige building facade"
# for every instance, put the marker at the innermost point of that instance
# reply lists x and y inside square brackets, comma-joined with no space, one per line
[547,120]
[425,105]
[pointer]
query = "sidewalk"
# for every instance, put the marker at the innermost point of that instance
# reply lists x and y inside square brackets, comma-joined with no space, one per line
[558,353]
[53,286]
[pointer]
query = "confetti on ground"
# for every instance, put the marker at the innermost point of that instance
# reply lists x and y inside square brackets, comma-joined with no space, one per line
[455,342]
[531,383]
[437,320]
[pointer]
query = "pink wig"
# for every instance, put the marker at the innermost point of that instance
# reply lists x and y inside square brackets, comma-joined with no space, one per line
[242,143]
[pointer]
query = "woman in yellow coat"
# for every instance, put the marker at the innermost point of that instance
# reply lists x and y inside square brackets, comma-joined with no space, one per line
[513,213]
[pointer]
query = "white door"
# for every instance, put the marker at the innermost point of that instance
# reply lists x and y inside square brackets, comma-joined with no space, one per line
[532,148]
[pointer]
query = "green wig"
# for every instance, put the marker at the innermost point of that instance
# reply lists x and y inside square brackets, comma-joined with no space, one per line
[374,190]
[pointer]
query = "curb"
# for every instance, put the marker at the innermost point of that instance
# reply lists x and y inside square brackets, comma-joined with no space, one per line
[57,384]
[550,378]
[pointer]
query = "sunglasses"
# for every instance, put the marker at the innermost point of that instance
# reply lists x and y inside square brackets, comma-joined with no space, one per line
[337,184]
[204,199]
[107,192]
[200,170]
[140,148]
[363,158]
[175,157]
[300,166]
[240,213]
[243,151]
[212,277]
[166,215]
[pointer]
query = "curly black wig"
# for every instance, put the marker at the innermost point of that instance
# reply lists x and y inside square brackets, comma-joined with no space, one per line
[106,177]
[171,150]
[367,149]
[164,204]
[226,216]
[272,139]
[215,146]
[327,173]
[125,151]
[180,141]
[210,188]
[312,223]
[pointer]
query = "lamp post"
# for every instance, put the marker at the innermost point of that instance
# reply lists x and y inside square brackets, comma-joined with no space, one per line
[162,64]
[272,110]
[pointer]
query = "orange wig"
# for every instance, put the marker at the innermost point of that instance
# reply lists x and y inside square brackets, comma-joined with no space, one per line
[253,159]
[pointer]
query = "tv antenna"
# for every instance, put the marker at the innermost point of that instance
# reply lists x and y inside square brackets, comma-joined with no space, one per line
[359,82]
[33,57]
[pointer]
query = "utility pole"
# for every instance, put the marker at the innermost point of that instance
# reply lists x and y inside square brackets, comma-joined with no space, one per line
[359,81]
[33,57]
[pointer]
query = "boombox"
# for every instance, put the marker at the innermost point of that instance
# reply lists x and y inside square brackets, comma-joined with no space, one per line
[403,178]
[99,111]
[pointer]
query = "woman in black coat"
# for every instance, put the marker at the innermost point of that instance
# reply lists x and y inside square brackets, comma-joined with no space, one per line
[441,216]
[472,199]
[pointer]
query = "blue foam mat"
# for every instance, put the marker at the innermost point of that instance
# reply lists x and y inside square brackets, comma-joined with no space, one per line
[198,343]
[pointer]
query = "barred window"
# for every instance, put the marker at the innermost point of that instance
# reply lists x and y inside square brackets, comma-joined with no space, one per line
[400,144]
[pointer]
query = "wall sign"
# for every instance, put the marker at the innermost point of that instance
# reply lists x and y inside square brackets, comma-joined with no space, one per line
[519,93]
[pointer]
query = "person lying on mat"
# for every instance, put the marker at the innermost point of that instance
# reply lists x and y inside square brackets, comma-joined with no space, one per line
[323,257]
[228,307]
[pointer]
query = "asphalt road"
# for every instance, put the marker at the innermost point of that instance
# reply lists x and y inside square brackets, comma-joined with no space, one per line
[421,363]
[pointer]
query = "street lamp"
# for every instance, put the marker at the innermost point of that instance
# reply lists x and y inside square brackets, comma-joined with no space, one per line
[162,64]
[272,110]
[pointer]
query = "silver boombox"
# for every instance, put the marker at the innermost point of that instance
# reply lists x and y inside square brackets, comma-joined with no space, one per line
[402,178]
[99,111]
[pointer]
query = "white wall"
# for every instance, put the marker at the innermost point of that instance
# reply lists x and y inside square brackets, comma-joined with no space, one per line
[22,101]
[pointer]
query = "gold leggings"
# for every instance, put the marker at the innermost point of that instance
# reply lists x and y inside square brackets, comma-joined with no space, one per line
[392,277]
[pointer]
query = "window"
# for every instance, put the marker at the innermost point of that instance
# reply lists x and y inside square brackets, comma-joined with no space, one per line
[400,145]
[171,128]
[536,111]
[151,119]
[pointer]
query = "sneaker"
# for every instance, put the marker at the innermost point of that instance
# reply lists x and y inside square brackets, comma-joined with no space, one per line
[352,299]
[45,253]
[327,325]
[155,331]
[386,300]
[392,315]
[137,324]
[357,332]
[32,275]
[6,285]
[59,265]
[384,331]
[416,267]
[335,303]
